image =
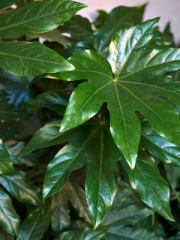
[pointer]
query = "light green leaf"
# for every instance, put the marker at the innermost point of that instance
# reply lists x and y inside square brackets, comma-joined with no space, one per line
[166,151]
[49,14]
[6,166]
[30,59]
[9,220]
[147,182]
[10,113]
[34,227]
[7,3]
[18,185]
[54,100]
[86,234]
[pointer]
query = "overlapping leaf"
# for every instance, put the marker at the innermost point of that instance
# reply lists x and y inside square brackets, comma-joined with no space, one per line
[150,186]
[46,17]
[86,234]
[132,85]
[5,236]
[6,166]
[54,100]
[30,59]
[173,175]
[5,4]
[9,220]
[10,113]
[9,133]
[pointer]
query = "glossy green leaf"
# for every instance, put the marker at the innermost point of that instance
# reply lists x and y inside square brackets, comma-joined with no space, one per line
[34,227]
[79,27]
[54,100]
[9,133]
[5,236]
[147,182]
[30,160]
[30,59]
[173,175]
[10,113]
[160,39]
[101,184]
[18,88]
[86,234]
[7,3]
[166,151]
[117,18]
[51,36]
[18,185]
[49,14]
[9,220]
[6,166]
[128,233]
[135,86]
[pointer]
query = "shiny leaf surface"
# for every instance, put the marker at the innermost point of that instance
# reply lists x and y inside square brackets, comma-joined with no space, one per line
[166,151]
[86,234]
[54,100]
[5,236]
[30,59]
[5,4]
[9,220]
[149,185]
[46,17]
[18,185]
[34,227]
[6,166]
[128,90]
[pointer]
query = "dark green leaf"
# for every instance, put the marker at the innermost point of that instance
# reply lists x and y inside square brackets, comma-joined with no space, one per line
[139,17]
[9,220]
[166,151]
[160,40]
[7,3]
[167,30]
[79,28]
[135,86]
[34,227]
[49,14]
[9,133]
[30,160]
[117,18]
[86,234]
[173,175]
[54,100]
[18,185]
[6,166]
[10,113]
[5,236]
[128,233]
[102,15]
[150,186]
[30,59]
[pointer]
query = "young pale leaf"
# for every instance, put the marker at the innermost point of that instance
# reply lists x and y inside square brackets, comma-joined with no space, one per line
[7,3]
[128,233]
[173,175]
[10,113]
[34,227]
[9,220]
[79,28]
[30,59]
[166,151]
[117,18]
[5,236]
[9,133]
[18,185]
[6,166]
[30,160]
[49,14]
[136,85]
[54,100]
[147,182]
[86,234]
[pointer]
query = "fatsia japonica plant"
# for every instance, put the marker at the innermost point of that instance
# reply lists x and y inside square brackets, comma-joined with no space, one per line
[105,163]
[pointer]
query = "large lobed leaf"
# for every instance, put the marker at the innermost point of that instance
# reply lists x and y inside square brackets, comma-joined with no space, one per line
[38,17]
[132,85]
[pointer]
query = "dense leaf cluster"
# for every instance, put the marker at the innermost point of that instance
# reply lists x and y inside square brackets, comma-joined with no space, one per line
[107,98]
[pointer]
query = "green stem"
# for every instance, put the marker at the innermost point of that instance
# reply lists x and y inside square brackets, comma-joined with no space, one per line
[153,218]
[177,195]
[25,2]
